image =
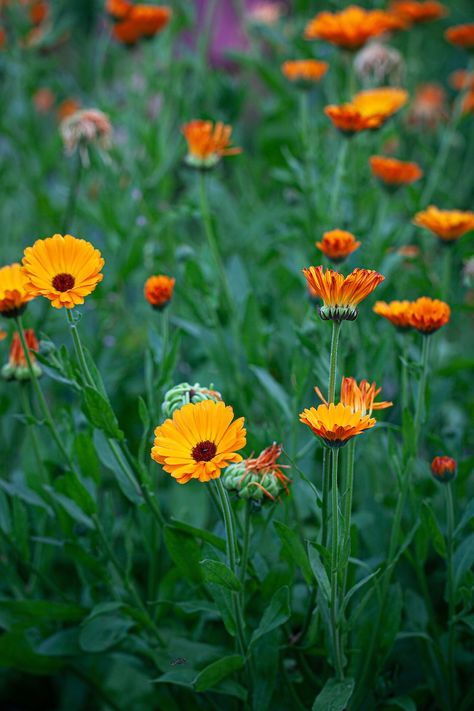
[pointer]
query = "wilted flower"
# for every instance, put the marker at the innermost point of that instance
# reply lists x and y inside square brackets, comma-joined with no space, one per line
[184,393]
[429,106]
[428,315]
[352,27]
[17,366]
[84,127]
[305,72]
[158,290]
[394,172]
[259,479]
[336,424]
[397,312]
[444,469]
[338,244]
[377,63]
[207,143]
[199,441]
[461,35]
[414,11]
[341,295]
[14,296]
[448,225]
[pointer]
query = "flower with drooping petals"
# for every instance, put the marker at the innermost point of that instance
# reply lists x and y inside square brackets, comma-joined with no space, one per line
[17,366]
[207,143]
[341,295]
[359,397]
[416,11]
[429,106]
[84,127]
[352,27]
[199,441]
[336,424]
[258,479]
[158,290]
[461,35]
[338,244]
[448,225]
[428,315]
[62,269]
[397,312]
[304,71]
[444,469]
[394,172]
[14,295]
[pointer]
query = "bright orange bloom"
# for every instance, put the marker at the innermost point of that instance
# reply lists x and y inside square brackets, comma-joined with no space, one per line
[306,71]
[118,9]
[352,27]
[3,38]
[336,424]
[159,290]
[350,120]
[338,244]
[461,79]
[207,143]
[359,397]
[429,106]
[341,295]
[14,295]
[468,103]
[397,312]
[199,441]
[17,366]
[414,12]
[461,35]
[393,171]
[444,469]
[67,108]
[384,100]
[428,315]
[138,21]
[448,225]
[39,11]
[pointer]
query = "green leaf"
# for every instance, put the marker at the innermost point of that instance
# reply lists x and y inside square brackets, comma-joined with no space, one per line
[466,517]
[265,655]
[223,599]
[294,548]
[185,553]
[319,572]
[215,672]
[16,652]
[463,559]
[100,413]
[86,456]
[409,435]
[334,696]
[102,632]
[357,587]
[201,533]
[70,507]
[29,613]
[62,644]
[436,537]
[216,572]
[275,615]
[273,389]
[127,486]
[402,702]
[74,489]
[5,518]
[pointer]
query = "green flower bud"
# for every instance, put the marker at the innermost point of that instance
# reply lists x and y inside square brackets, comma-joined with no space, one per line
[183,394]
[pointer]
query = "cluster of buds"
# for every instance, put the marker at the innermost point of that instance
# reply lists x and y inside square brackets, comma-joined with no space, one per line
[83,128]
[183,394]
[17,367]
[258,479]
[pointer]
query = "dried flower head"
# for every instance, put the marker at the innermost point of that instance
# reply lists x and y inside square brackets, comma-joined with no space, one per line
[338,244]
[17,366]
[258,479]
[207,143]
[377,63]
[341,295]
[304,72]
[158,290]
[184,393]
[444,469]
[448,225]
[84,127]
[397,312]
[394,172]
[14,295]
[352,27]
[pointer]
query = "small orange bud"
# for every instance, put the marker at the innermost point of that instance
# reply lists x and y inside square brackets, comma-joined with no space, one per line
[159,290]
[444,469]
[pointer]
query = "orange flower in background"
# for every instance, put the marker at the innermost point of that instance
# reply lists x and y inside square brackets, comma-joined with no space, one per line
[158,290]
[448,225]
[199,441]
[336,424]
[461,35]
[338,244]
[461,79]
[17,366]
[429,106]
[349,120]
[207,143]
[14,295]
[428,315]
[39,12]
[415,12]
[118,9]
[341,295]
[134,22]
[359,397]
[306,71]
[393,171]
[444,469]
[43,100]
[468,103]
[67,107]
[383,100]
[62,269]
[409,251]
[352,27]
[397,312]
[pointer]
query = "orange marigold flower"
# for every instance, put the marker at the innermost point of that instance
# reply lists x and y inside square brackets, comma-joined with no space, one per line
[444,469]
[384,100]
[352,27]
[150,19]
[43,100]
[461,35]
[397,312]
[393,171]
[39,11]
[304,71]
[462,79]
[468,102]
[118,9]
[336,424]
[62,269]
[428,315]
[448,225]
[199,441]
[429,106]
[359,397]
[350,120]
[17,366]
[207,143]
[414,12]
[126,32]
[341,295]
[14,295]
[159,290]
[338,244]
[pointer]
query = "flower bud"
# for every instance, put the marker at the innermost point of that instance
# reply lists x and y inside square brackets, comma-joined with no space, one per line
[257,479]
[443,469]
[17,367]
[183,394]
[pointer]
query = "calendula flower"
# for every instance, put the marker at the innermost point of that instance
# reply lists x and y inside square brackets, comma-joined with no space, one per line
[258,479]
[39,12]
[397,312]
[158,290]
[376,63]
[394,172]
[199,441]
[443,469]
[207,143]
[341,295]
[84,127]
[428,315]
[184,393]
[461,36]
[17,366]
[338,244]
[336,424]
[448,225]
[62,269]
[467,106]
[429,106]
[118,9]
[413,12]
[349,120]
[461,80]
[304,71]
[359,397]
[352,27]
[14,295]
[134,22]
[384,100]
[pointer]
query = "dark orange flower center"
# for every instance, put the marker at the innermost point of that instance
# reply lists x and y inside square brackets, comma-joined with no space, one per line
[204,451]
[63,282]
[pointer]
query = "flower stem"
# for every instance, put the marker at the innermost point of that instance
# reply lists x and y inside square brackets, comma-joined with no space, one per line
[72,195]
[336,328]
[450,594]
[335,569]
[347,507]
[447,269]
[79,350]
[25,401]
[336,187]
[246,543]
[420,403]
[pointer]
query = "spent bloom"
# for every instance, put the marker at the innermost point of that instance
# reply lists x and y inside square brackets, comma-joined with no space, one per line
[199,441]
[158,290]
[84,127]
[258,479]
[394,172]
[304,72]
[415,12]
[341,295]
[338,244]
[376,62]
[444,469]
[461,36]
[448,225]
[352,27]
[184,393]
[17,366]
[207,143]
[14,295]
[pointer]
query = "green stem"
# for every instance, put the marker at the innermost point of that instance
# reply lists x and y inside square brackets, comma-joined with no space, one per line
[79,350]
[336,187]
[447,269]
[404,378]
[246,543]
[450,594]
[73,193]
[420,403]
[338,663]
[25,401]
[336,328]
[347,508]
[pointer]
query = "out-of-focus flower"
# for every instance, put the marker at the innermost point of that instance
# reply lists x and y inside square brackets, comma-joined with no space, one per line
[377,63]
[338,244]
[444,469]
[134,22]
[428,315]
[368,109]
[207,143]
[43,100]
[461,36]
[341,295]
[158,290]
[264,13]
[258,479]
[62,269]
[3,334]
[461,80]
[349,120]
[336,424]
[448,225]
[409,251]
[67,108]
[17,366]
[118,9]
[352,27]
[184,393]
[359,397]
[39,12]
[304,71]
[3,38]
[397,312]
[429,106]
[14,295]
[394,172]
[468,273]
[84,127]
[468,103]
[414,12]
[199,441]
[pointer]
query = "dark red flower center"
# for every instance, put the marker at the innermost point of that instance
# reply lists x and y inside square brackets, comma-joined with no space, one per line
[63,282]
[204,451]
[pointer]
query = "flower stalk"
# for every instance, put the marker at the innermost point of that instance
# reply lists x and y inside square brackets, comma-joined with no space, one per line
[337,651]
[451,595]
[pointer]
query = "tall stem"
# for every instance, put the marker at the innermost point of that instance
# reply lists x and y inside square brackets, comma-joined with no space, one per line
[420,403]
[447,269]
[347,507]
[450,594]
[336,329]
[336,188]
[79,350]
[246,543]
[335,569]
